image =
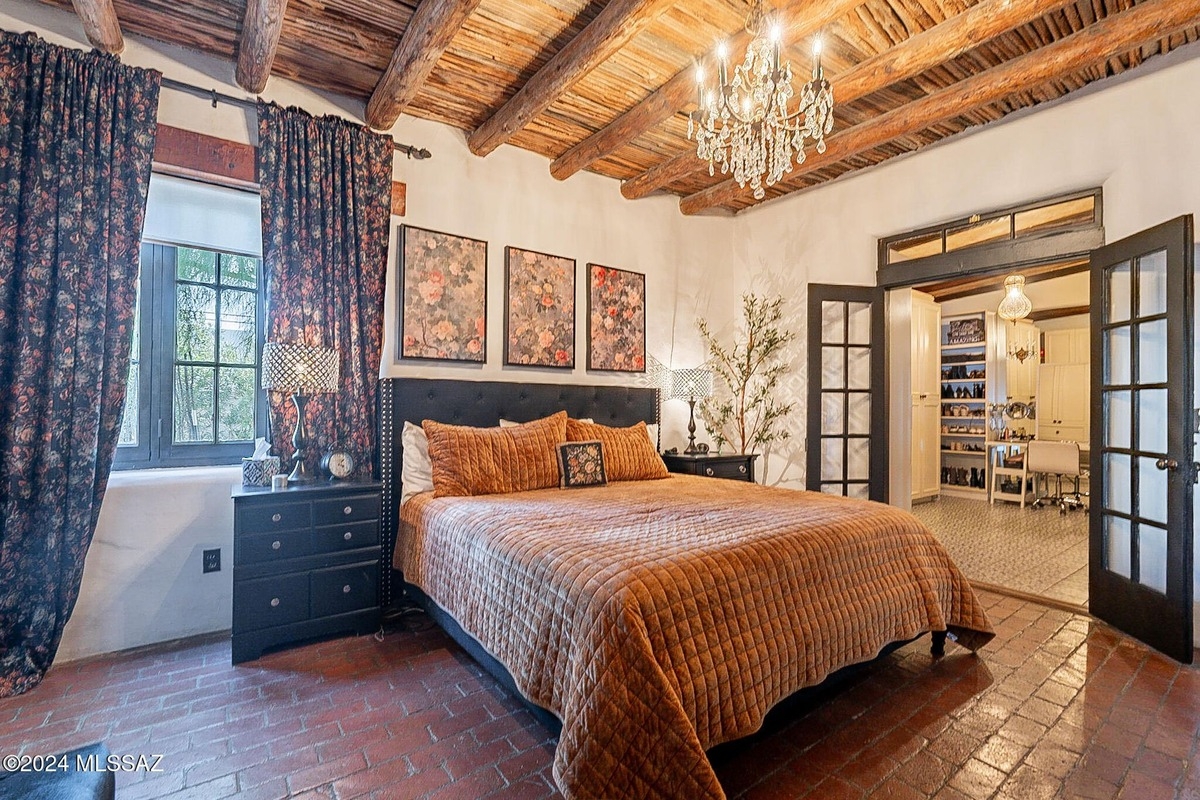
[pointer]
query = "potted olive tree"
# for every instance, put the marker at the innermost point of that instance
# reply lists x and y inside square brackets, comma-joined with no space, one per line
[744,411]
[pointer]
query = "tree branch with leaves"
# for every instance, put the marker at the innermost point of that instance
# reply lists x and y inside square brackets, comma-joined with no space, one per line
[743,411]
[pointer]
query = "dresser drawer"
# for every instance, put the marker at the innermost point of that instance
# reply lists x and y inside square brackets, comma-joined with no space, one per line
[725,469]
[265,547]
[266,602]
[338,590]
[274,517]
[346,509]
[352,535]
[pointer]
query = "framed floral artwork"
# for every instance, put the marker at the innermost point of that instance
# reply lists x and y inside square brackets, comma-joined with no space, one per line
[539,295]
[443,296]
[616,320]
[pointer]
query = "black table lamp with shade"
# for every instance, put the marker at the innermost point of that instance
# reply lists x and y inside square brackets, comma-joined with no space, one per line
[303,371]
[691,385]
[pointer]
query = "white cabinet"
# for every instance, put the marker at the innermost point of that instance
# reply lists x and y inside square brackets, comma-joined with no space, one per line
[1063,403]
[926,395]
[1069,346]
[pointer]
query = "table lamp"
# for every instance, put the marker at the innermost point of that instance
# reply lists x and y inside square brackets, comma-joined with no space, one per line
[691,385]
[302,371]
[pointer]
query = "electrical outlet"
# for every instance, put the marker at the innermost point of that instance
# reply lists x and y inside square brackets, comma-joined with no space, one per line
[212,560]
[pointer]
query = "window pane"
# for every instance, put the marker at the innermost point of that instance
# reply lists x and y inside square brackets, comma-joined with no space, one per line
[193,404]
[235,421]
[990,230]
[195,318]
[129,417]
[1060,215]
[196,265]
[237,326]
[239,271]
[926,244]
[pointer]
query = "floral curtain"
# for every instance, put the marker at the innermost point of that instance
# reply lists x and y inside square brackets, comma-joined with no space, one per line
[77,135]
[326,206]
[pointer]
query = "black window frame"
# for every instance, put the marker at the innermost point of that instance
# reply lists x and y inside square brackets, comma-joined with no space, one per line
[156,447]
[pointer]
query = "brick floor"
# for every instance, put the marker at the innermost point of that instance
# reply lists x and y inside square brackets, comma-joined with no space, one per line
[1058,706]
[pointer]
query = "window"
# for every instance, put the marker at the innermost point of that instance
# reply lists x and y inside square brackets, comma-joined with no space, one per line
[193,394]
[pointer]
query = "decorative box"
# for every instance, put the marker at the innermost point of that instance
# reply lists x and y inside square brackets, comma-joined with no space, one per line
[259,471]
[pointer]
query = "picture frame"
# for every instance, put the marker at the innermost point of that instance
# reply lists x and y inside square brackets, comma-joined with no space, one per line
[616,320]
[442,309]
[965,331]
[539,302]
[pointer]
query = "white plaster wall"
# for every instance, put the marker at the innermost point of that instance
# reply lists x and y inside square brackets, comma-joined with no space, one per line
[1135,136]
[142,581]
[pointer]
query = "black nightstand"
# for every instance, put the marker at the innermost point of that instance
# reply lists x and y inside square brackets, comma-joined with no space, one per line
[735,466]
[305,563]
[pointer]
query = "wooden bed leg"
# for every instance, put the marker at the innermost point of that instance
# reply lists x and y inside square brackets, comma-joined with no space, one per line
[938,648]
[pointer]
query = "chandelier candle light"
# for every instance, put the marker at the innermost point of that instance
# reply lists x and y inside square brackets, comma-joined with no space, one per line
[303,371]
[743,124]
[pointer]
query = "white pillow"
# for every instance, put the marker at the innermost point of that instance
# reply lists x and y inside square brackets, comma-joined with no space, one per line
[416,473]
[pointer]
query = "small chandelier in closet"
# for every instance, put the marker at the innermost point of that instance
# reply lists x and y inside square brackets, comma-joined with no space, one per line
[743,123]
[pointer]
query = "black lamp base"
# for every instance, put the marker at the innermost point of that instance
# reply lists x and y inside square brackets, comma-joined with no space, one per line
[300,472]
[691,448]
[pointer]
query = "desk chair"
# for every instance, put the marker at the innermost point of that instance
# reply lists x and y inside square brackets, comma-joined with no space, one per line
[1058,460]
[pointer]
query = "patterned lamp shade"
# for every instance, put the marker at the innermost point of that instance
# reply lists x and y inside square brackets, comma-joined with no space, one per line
[691,384]
[299,368]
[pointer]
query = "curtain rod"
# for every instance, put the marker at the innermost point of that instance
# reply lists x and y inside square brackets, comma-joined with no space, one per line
[418,153]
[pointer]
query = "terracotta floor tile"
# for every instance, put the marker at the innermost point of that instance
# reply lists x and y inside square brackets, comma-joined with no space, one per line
[1058,706]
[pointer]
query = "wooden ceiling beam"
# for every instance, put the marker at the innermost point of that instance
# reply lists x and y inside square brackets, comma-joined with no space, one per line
[261,27]
[100,25]
[804,18]
[428,34]
[620,21]
[1118,33]
[1058,313]
[937,45]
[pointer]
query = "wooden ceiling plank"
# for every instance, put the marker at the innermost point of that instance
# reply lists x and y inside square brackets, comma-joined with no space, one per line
[1041,315]
[612,29]
[100,24]
[1115,34]
[805,18]
[429,32]
[261,28]
[938,45]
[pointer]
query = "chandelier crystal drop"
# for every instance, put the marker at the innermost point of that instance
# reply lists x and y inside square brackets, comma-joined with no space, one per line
[743,124]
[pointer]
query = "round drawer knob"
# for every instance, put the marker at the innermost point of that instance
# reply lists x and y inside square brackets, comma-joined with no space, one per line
[275,545]
[348,510]
[276,517]
[742,468]
[347,536]
[346,589]
[274,602]
[708,470]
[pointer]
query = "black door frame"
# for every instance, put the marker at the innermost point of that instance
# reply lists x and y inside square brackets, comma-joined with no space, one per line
[1164,621]
[818,294]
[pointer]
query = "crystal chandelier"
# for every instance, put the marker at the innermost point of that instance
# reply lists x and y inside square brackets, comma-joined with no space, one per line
[744,125]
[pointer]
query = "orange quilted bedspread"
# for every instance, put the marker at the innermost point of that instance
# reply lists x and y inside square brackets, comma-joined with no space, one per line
[659,618]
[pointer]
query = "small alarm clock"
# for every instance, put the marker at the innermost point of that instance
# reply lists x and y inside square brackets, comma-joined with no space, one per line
[337,464]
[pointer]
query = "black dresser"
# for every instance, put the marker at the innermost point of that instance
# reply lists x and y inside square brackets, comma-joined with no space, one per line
[306,563]
[735,466]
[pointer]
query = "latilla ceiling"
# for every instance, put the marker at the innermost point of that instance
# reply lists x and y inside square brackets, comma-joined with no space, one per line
[607,86]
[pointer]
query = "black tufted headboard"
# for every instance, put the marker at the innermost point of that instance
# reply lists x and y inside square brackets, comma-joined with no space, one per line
[482,404]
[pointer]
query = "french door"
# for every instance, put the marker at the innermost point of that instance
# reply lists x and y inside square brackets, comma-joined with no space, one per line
[847,397]
[1143,449]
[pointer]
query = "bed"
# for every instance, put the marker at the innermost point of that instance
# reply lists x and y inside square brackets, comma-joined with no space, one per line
[658,619]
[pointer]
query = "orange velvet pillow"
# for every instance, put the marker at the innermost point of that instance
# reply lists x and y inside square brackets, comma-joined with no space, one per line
[470,461]
[628,453]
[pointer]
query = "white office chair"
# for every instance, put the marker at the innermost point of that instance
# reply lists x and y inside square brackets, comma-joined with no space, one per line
[1060,460]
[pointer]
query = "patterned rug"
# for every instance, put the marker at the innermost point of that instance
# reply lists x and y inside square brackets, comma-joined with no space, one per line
[1038,551]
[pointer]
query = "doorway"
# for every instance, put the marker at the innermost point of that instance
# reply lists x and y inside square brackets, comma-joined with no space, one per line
[981,390]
